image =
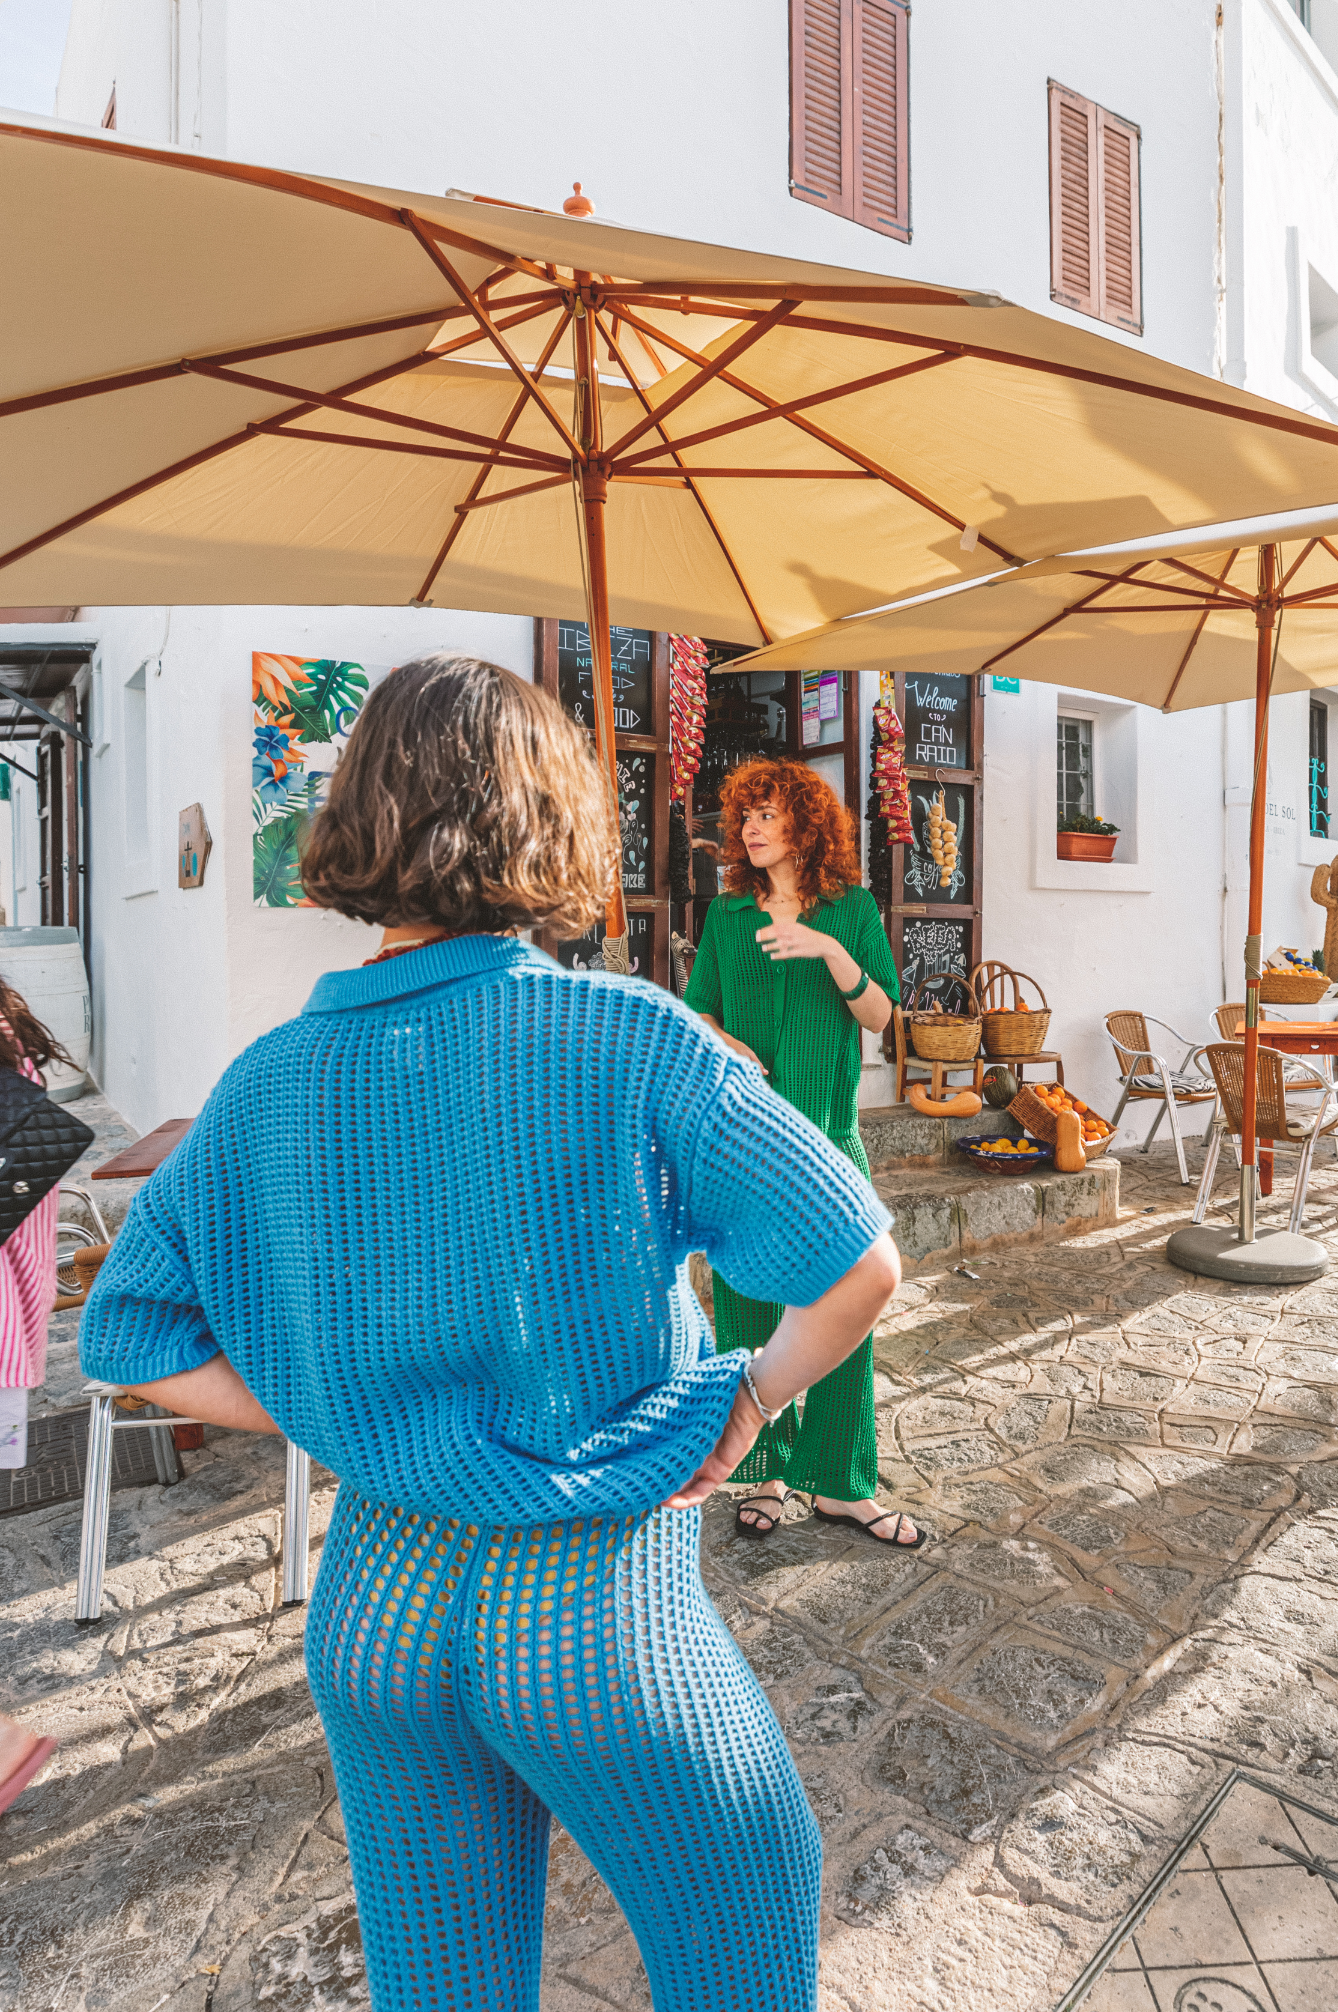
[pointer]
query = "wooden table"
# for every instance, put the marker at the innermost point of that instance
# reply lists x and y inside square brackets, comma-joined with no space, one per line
[147,1154]
[1290,1037]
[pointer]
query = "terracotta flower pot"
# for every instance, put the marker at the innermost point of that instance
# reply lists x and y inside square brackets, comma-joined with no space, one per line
[1084,845]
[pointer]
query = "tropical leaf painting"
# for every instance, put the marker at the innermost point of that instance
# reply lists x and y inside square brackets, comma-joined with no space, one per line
[302,711]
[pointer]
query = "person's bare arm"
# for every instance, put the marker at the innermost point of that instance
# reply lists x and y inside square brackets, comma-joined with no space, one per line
[739,1047]
[810,1341]
[784,940]
[213,1392]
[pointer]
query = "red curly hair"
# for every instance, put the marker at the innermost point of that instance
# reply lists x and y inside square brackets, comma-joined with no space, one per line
[822,831]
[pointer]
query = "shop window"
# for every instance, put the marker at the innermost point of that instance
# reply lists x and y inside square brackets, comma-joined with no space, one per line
[849,111]
[1319,769]
[1074,791]
[1095,224]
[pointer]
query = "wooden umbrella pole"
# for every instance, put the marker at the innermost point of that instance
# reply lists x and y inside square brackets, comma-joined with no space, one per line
[592,476]
[1265,616]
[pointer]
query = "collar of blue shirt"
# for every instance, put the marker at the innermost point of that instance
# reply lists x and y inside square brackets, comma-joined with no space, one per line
[435,964]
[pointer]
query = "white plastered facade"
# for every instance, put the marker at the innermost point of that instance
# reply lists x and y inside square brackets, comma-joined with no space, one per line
[687,131]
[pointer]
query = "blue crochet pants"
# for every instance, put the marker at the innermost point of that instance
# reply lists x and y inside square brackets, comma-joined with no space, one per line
[471,1680]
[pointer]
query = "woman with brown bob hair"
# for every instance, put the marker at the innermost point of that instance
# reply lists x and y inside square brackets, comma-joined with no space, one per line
[436,1230]
[793,962]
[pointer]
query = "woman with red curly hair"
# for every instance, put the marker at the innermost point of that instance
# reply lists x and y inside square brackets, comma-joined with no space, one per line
[793,962]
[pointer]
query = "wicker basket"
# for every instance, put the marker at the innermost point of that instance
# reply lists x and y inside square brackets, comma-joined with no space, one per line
[1034,1117]
[945,1037]
[1293,988]
[1008,1031]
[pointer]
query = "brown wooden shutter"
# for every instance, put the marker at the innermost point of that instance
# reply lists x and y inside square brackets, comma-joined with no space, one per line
[849,110]
[1119,253]
[881,139]
[820,122]
[1074,228]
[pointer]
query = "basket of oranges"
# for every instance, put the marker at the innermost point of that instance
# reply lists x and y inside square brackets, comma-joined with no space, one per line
[1008,1156]
[1039,1106]
[1019,1029]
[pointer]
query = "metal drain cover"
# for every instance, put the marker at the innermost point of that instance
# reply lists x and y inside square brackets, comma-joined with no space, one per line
[1243,1917]
[57,1453]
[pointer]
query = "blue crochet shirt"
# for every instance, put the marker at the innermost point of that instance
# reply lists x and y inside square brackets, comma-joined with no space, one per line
[439,1225]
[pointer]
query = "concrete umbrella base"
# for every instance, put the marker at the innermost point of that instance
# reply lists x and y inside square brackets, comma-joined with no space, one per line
[1276,1257]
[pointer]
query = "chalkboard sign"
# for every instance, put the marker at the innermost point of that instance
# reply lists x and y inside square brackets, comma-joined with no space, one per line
[586,952]
[923,879]
[634,780]
[932,946]
[631,677]
[938,722]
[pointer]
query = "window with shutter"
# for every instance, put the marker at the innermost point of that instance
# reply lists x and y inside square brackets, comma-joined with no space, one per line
[1095,235]
[849,110]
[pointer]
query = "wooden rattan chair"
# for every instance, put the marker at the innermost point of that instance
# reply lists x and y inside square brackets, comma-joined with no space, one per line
[1283,1125]
[997,985]
[1148,1077]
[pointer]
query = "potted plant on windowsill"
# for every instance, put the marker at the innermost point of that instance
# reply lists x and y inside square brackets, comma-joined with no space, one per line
[1086,838]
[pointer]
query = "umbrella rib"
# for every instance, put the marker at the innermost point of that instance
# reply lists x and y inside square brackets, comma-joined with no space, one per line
[1195,573]
[874,296]
[476,487]
[1074,608]
[697,497]
[95,510]
[491,330]
[1193,642]
[798,405]
[1298,562]
[126,380]
[360,411]
[275,429]
[705,374]
[828,440]
[510,495]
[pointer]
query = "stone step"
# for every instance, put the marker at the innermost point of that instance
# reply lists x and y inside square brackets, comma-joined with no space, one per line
[948,1209]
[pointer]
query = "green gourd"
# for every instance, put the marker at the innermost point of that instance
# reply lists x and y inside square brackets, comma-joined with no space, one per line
[1000,1088]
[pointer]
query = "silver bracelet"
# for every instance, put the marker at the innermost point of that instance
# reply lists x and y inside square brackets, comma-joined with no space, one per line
[769,1416]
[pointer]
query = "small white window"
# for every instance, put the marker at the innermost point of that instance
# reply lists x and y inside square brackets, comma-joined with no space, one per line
[1074,790]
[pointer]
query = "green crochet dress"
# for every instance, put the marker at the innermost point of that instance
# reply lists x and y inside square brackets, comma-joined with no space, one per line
[800,1028]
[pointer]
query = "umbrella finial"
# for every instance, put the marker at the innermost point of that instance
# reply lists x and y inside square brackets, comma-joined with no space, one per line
[578,205]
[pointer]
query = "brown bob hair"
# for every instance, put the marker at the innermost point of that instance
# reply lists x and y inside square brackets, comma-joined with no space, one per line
[465,800]
[822,831]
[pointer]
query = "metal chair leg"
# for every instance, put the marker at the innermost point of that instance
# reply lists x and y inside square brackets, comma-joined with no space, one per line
[97,1496]
[1156,1127]
[1119,1109]
[1209,1174]
[296,1502]
[1174,1117]
[164,1447]
[1307,1154]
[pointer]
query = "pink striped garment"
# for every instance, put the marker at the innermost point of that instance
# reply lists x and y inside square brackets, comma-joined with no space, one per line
[27,1289]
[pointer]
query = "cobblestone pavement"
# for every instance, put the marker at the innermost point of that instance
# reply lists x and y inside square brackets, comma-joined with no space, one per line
[1132,1480]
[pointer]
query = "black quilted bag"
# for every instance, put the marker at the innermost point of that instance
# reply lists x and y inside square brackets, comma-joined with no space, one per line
[39,1142]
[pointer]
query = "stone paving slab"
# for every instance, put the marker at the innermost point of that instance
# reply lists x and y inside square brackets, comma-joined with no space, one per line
[1131,1476]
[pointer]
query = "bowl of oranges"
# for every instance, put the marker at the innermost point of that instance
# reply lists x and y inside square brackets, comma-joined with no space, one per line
[1008,1156]
[1039,1105]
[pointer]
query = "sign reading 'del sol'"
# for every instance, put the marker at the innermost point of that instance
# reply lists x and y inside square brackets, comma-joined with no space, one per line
[938,721]
[631,677]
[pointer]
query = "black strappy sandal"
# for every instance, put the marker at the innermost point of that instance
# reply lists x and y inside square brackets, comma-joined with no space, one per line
[892,1543]
[772,1507]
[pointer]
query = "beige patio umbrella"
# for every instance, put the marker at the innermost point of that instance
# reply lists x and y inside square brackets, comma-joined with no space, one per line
[225,383]
[1248,610]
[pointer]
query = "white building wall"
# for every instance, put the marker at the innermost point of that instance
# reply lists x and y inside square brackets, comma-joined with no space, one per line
[183,979]
[687,131]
